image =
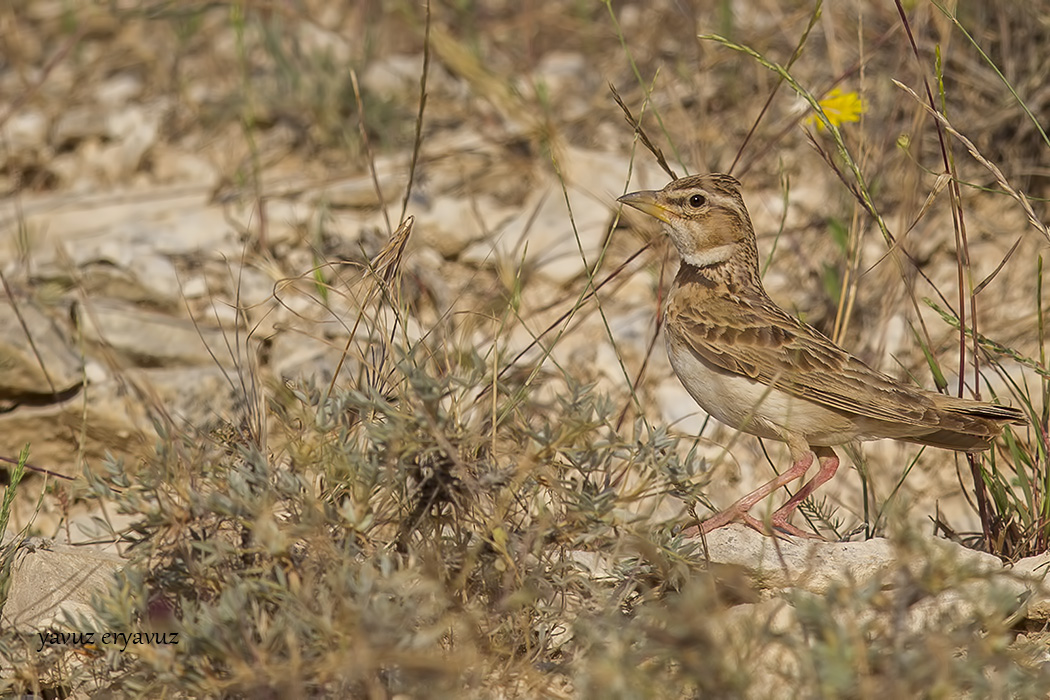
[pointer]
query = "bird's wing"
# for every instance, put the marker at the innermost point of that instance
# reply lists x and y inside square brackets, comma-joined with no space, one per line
[760,341]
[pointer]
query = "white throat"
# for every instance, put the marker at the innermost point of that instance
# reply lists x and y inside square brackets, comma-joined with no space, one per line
[708,257]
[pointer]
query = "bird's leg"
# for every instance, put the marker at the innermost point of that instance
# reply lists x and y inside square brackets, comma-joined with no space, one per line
[829,464]
[738,511]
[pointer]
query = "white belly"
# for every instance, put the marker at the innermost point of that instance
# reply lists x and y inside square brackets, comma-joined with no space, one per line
[756,408]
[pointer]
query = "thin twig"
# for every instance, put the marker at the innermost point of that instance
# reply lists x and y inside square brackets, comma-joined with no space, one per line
[780,81]
[367,145]
[642,136]
[418,144]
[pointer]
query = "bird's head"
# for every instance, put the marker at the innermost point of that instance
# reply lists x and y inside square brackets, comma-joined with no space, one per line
[703,214]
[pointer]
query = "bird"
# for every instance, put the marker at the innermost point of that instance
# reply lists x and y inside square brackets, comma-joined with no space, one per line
[756,368]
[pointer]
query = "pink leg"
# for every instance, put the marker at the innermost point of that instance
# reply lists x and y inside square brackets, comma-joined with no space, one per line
[739,510]
[829,464]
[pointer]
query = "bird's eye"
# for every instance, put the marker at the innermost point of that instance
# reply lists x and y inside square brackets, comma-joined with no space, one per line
[697,201]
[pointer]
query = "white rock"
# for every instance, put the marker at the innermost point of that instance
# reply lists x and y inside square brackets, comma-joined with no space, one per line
[287,221]
[254,286]
[450,225]
[77,124]
[171,165]
[152,339]
[156,272]
[25,132]
[120,230]
[808,564]
[118,90]
[314,39]
[68,168]
[560,71]
[179,233]
[544,231]
[49,582]
[393,76]
[360,193]
[1033,570]
[37,355]
[561,234]
[95,372]
[194,287]
[134,130]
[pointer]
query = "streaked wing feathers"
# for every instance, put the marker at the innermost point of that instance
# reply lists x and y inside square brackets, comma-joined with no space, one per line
[760,340]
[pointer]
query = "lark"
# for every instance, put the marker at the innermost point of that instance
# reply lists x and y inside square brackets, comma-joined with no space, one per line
[758,369]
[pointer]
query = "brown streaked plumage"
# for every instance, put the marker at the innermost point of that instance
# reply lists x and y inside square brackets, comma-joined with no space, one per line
[756,368]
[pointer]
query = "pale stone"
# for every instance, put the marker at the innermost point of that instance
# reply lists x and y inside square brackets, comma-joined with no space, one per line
[78,123]
[25,132]
[174,166]
[393,76]
[449,225]
[118,90]
[134,130]
[153,339]
[807,564]
[38,360]
[51,582]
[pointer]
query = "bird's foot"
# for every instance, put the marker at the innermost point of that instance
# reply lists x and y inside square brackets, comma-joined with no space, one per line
[775,526]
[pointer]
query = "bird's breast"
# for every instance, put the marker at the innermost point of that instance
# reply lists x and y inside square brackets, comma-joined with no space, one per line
[756,408]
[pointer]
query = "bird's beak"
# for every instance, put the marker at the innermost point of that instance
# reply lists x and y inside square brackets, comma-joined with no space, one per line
[646,201]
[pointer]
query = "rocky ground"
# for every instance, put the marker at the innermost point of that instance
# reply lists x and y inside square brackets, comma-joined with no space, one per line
[192,196]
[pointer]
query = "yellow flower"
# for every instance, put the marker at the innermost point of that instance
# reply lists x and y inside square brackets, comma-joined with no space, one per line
[840,108]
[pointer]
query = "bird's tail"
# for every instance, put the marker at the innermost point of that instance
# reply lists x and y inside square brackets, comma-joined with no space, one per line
[969,426]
